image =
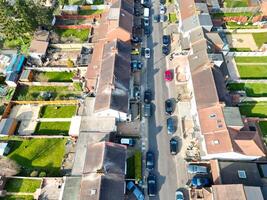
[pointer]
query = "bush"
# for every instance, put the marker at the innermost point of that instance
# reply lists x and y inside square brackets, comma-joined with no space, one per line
[42,174]
[34,173]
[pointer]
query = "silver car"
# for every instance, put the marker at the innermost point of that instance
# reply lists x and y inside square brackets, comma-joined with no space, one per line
[147,53]
[161,9]
[197,169]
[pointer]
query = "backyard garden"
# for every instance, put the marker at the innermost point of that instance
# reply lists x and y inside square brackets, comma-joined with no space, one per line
[251,89]
[52,128]
[254,109]
[53,76]
[37,156]
[76,34]
[57,111]
[31,93]
[22,185]
[235,3]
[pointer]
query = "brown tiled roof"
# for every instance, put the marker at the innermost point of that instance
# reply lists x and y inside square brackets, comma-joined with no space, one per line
[113,87]
[218,142]
[247,142]
[204,88]
[216,177]
[126,21]
[187,8]
[229,192]
[39,47]
[211,119]
[126,5]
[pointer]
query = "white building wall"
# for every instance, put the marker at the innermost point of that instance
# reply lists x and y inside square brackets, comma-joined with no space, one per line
[229,156]
[120,116]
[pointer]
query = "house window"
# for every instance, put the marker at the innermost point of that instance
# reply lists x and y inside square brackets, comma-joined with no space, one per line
[242,174]
[220,126]
[215,142]
[212,115]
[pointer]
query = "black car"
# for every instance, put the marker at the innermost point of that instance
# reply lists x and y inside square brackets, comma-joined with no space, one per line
[150,160]
[147,110]
[165,50]
[151,185]
[170,126]
[147,96]
[168,107]
[166,39]
[173,146]
[136,65]
[137,12]
[147,30]
[162,1]
[136,39]
[156,18]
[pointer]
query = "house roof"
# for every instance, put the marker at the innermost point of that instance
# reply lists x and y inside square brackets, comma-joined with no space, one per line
[204,87]
[254,193]
[215,39]
[3,145]
[113,87]
[71,188]
[218,142]
[5,125]
[38,47]
[229,173]
[187,8]
[229,192]
[100,187]
[247,142]
[211,119]
[119,18]
[126,5]
[199,59]
[105,157]
[232,116]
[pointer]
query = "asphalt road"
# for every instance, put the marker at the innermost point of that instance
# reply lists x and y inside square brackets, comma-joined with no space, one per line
[157,131]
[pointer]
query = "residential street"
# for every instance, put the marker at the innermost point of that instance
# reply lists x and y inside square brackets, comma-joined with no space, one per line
[158,138]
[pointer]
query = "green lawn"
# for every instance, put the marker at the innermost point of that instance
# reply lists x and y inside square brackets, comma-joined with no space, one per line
[252,89]
[17,197]
[52,128]
[130,168]
[260,38]
[29,93]
[75,2]
[81,34]
[219,15]
[263,127]
[134,166]
[235,25]
[240,49]
[90,12]
[57,111]
[22,185]
[172,17]
[235,3]
[38,154]
[252,71]
[55,76]
[251,59]
[251,109]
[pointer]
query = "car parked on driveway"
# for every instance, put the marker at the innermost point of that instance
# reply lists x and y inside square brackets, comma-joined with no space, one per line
[150,160]
[173,146]
[136,191]
[168,107]
[179,195]
[200,182]
[151,185]
[147,52]
[147,96]
[168,75]
[197,169]
[170,126]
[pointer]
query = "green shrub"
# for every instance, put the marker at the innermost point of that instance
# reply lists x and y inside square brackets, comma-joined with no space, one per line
[42,174]
[34,173]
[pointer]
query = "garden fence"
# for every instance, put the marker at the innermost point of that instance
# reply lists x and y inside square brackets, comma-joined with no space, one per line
[235,10]
[246,54]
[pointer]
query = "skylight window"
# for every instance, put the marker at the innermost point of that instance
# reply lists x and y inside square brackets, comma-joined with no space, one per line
[242,174]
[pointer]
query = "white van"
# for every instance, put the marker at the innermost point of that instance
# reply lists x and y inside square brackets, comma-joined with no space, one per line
[146,13]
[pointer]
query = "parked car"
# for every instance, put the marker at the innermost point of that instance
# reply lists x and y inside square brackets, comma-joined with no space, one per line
[147,52]
[136,93]
[166,40]
[179,195]
[162,1]
[197,169]
[136,191]
[136,39]
[161,9]
[146,22]
[165,50]
[147,30]
[162,18]
[127,141]
[150,160]
[147,110]
[147,96]
[168,107]
[151,185]
[170,125]
[135,51]
[173,146]
[200,182]
[156,18]
[168,75]
[137,12]
[136,65]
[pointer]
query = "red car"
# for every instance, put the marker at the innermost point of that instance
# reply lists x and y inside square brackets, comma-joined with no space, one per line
[168,75]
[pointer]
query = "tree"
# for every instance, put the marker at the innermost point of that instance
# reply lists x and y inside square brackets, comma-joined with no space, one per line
[22,18]
[8,167]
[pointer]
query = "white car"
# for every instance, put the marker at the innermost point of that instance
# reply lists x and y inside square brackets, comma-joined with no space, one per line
[161,9]
[147,53]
